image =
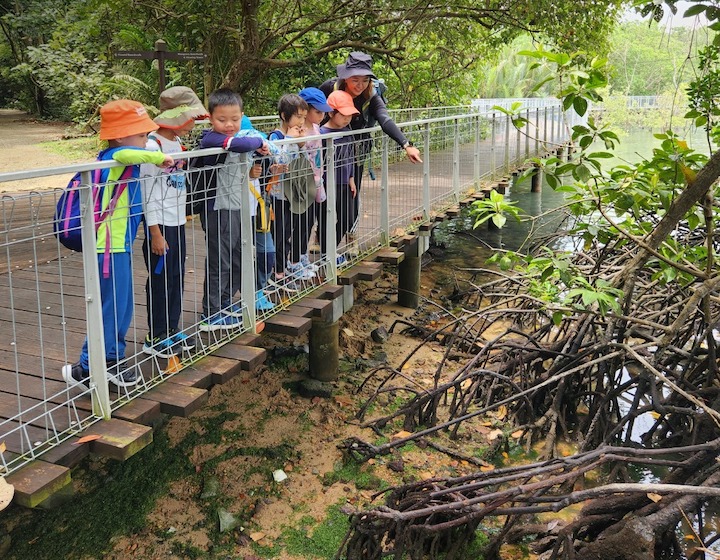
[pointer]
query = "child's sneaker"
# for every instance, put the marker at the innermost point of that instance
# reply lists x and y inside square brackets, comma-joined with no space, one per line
[122,375]
[307,263]
[162,347]
[235,310]
[285,283]
[262,302]
[341,260]
[186,342]
[299,271]
[219,322]
[75,374]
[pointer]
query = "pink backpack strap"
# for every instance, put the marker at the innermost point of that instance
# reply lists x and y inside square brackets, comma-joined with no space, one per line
[119,190]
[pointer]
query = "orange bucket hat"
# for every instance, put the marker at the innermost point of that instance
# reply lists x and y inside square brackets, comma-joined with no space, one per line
[122,118]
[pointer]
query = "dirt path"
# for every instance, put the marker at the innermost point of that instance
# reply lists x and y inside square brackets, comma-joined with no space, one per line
[21,149]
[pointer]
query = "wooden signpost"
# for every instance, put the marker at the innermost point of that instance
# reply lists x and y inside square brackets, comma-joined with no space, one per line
[161,54]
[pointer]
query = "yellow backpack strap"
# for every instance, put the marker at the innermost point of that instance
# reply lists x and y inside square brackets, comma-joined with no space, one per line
[262,222]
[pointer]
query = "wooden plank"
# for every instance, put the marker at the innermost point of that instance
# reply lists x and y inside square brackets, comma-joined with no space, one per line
[248,357]
[247,339]
[453,212]
[37,481]
[119,439]
[321,308]
[68,454]
[221,370]
[368,273]
[139,411]
[328,292]
[349,277]
[282,323]
[298,311]
[192,377]
[177,400]
[390,257]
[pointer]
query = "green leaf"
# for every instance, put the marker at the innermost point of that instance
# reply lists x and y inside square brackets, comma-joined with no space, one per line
[601,155]
[580,105]
[695,10]
[499,220]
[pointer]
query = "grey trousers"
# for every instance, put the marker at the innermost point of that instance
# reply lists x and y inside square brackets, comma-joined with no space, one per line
[223,259]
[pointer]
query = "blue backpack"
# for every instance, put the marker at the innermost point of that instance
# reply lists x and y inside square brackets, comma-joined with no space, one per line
[67,225]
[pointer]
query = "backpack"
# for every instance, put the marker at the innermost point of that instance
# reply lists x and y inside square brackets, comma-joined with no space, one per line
[67,224]
[202,183]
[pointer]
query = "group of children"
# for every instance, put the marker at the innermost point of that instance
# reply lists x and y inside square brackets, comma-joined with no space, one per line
[287,181]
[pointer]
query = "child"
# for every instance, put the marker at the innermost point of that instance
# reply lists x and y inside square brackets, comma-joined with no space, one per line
[317,107]
[125,125]
[339,120]
[164,201]
[221,216]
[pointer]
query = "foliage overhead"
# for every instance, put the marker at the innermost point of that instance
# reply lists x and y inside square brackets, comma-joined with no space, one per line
[425,51]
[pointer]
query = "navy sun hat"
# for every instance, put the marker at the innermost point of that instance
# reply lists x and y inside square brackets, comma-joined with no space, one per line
[313,96]
[357,64]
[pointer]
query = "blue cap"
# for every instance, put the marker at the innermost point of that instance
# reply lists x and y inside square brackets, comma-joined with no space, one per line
[313,96]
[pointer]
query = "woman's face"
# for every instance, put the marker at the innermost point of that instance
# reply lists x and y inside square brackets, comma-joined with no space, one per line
[355,85]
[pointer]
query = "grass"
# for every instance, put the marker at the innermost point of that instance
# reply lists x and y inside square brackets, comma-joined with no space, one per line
[325,538]
[74,148]
[361,475]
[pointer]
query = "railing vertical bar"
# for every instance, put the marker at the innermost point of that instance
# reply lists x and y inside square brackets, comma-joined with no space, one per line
[456,161]
[385,195]
[331,191]
[93,303]
[426,172]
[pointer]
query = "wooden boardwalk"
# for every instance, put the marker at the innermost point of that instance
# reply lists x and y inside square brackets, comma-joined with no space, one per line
[42,306]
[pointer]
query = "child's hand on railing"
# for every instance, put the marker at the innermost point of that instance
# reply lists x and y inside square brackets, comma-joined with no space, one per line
[167,161]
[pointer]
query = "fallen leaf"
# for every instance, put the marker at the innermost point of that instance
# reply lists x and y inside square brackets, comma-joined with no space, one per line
[654,497]
[343,400]
[85,439]
[3,447]
[517,434]
[501,412]
[7,491]
[256,536]
[402,434]
[494,434]
[487,468]
[426,475]
[348,332]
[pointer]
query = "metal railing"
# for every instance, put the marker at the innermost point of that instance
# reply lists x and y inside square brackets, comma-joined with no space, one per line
[52,296]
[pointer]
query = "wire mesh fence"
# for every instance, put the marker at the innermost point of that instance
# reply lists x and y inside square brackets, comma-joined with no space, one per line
[86,332]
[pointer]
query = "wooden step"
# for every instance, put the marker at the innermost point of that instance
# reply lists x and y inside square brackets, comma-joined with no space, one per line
[283,323]
[390,257]
[453,211]
[349,277]
[297,311]
[119,439]
[68,454]
[428,226]
[319,308]
[177,400]
[247,339]
[139,411]
[249,357]
[37,481]
[402,241]
[368,273]
[221,370]
[328,292]
[193,377]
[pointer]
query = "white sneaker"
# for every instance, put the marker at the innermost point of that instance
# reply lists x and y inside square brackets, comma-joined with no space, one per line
[307,263]
[299,271]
